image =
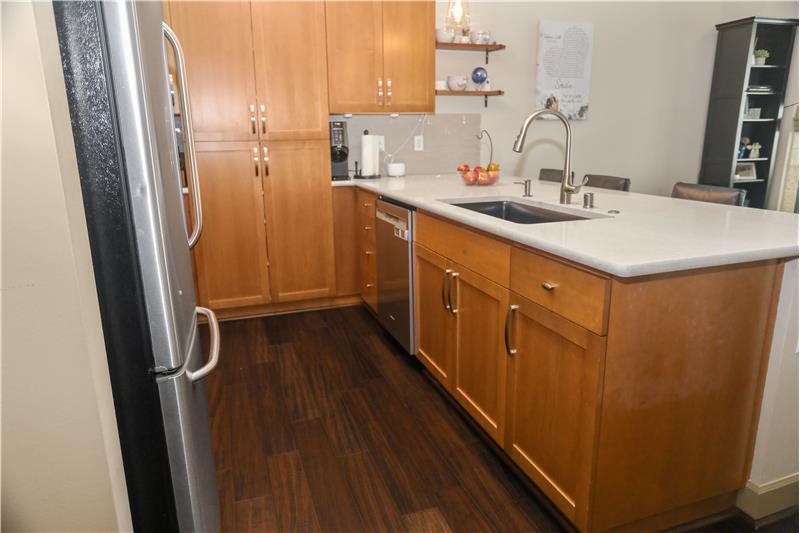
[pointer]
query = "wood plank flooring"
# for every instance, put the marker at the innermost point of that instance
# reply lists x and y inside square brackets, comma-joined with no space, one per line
[320,423]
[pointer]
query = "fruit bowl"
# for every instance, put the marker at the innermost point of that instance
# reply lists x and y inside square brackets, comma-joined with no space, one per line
[479,175]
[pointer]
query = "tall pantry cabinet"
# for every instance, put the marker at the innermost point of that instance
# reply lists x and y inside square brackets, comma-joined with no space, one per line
[258,90]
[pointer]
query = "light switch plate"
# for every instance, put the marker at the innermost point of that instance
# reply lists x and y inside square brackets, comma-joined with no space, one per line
[381,143]
[419,143]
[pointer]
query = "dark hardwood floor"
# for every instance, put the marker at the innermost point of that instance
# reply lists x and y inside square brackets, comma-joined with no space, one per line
[319,422]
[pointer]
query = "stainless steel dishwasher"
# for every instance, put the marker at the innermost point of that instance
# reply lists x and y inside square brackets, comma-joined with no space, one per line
[394,237]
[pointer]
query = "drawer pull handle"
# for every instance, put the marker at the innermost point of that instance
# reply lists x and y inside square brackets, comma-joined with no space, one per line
[367,228]
[507,329]
[370,285]
[367,204]
[546,285]
[368,252]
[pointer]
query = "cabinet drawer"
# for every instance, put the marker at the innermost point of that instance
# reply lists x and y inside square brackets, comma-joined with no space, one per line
[476,251]
[575,294]
[366,204]
[369,286]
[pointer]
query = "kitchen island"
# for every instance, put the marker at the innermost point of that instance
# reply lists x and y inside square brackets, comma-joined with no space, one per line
[619,361]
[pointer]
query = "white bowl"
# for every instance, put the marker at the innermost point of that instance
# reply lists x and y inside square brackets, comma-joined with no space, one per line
[396,169]
[445,35]
[457,83]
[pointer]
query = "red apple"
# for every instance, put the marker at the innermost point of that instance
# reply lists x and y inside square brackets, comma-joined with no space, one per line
[483,178]
[469,177]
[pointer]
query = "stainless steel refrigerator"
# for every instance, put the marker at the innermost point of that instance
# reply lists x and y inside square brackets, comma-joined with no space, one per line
[123,109]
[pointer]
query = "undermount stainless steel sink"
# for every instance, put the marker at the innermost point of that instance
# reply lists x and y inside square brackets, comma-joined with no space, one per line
[516,212]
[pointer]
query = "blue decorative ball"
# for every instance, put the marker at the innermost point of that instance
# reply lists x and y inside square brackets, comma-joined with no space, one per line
[479,75]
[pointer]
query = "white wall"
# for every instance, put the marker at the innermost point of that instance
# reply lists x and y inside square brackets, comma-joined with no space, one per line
[773,475]
[61,461]
[651,76]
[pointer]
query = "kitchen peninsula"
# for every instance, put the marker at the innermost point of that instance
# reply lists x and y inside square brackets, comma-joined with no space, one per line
[619,361]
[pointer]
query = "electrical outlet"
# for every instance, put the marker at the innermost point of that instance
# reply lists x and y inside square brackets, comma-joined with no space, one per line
[382,143]
[419,143]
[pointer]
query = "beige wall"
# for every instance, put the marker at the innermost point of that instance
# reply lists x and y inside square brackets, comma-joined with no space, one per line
[651,76]
[61,463]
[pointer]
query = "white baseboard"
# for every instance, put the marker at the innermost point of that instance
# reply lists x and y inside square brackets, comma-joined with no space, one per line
[758,501]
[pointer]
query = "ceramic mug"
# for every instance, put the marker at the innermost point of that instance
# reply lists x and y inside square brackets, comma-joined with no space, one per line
[457,83]
[441,85]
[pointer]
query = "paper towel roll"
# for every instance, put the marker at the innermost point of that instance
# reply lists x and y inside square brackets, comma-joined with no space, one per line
[370,155]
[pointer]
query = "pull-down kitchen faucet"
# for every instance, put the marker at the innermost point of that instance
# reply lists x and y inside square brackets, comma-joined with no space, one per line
[567,187]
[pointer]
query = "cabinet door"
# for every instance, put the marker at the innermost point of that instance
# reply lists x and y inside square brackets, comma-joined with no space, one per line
[291,73]
[552,404]
[409,56]
[216,38]
[231,255]
[299,211]
[480,368]
[355,56]
[435,323]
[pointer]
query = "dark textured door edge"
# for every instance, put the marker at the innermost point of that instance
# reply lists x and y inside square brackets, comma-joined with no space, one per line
[114,256]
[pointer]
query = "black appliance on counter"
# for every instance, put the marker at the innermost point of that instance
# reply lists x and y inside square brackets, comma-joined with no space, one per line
[339,150]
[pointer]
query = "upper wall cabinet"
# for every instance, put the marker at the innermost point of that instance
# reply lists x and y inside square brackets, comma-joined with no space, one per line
[256,70]
[217,41]
[291,75]
[387,65]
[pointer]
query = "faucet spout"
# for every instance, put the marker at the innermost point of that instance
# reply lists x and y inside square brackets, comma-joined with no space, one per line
[568,188]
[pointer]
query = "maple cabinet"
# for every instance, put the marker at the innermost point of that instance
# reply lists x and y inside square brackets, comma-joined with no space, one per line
[552,399]
[299,219]
[479,307]
[291,72]
[436,325]
[217,43]
[257,75]
[231,256]
[631,403]
[388,64]
[256,70]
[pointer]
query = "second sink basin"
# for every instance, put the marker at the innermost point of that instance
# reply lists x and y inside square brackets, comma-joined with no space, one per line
[516,212]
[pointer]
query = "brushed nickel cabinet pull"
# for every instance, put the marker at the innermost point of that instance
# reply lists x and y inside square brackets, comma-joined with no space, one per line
[255,160]
[445,289]
[453,278]
[263,109]
[388,91]
[380,91]
[265,151]
[253,119]
[507,329]
[546,285]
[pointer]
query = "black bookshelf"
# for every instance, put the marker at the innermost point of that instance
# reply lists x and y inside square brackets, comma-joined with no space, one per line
[738,86]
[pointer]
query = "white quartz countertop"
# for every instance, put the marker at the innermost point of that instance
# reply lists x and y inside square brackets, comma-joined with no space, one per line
[650,234]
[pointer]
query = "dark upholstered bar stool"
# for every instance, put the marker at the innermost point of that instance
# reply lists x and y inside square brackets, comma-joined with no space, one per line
[607,182]
[590,180]
[551,174]
[709,193]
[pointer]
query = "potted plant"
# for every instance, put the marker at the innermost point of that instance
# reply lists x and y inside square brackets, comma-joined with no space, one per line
[760,56]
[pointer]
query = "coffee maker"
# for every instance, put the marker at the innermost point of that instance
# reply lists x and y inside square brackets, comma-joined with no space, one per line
[339,150]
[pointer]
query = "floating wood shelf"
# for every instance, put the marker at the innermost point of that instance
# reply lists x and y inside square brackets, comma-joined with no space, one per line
[469,47]
[758,120]
[485,94]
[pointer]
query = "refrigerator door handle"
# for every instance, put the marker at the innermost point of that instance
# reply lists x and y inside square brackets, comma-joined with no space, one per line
[186,117]
[213,357]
